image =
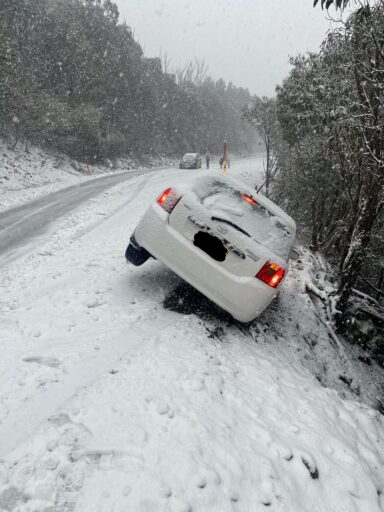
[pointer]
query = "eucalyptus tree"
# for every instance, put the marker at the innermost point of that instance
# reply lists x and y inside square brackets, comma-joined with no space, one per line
[72,75]
[364,44]
[331,111]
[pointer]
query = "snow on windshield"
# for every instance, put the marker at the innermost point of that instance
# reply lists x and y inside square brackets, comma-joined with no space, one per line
[227,202]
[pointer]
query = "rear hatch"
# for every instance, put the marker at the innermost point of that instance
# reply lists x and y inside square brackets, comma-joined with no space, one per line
[189,159]
[230,226]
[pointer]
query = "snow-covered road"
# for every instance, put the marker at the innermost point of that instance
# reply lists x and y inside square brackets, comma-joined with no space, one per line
[109,402]
[31,220]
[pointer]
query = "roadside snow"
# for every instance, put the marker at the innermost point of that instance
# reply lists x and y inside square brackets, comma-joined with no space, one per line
[25,176]
[109,402]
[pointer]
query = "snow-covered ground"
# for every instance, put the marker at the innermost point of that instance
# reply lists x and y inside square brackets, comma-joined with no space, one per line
[25,176]
[110,402]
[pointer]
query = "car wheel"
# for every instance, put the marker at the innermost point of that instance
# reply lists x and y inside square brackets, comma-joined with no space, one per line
[135,254]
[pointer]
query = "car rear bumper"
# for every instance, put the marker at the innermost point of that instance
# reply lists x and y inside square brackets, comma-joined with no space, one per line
[243,297]
[188,166]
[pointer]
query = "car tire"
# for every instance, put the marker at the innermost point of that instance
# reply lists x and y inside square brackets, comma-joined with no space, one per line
[135,254]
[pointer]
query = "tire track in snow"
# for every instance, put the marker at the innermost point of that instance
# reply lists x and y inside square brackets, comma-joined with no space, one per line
[141,183]
[23,225]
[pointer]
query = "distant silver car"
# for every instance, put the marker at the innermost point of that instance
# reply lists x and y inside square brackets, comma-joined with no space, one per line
[191,161]
[229,242]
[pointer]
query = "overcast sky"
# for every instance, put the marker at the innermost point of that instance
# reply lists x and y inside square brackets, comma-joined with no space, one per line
[247,42]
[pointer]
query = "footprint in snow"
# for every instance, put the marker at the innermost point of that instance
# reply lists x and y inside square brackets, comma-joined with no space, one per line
[105,459]
[69,481]
[10,498]
[75,436]
[52,362]
[181,505]
[165,490]
[162,408]
[94,303]
[207,477]
[59,419]
[51,463]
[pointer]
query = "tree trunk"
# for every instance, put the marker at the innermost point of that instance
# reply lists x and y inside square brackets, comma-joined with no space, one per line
[361,235]
[315,227]
[380,283]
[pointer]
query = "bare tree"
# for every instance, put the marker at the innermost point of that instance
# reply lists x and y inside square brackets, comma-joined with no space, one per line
[194,72]
[261,114]
[165,62]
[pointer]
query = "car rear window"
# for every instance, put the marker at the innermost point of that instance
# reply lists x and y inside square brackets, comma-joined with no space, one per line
[189,157]
[232,205]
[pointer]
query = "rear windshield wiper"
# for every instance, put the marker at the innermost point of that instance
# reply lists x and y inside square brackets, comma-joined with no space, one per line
[218,219]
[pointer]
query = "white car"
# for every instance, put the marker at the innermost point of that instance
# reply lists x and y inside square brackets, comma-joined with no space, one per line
[227,241]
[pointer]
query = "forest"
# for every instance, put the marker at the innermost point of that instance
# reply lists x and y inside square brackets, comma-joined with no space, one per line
[74,77]
[324,134]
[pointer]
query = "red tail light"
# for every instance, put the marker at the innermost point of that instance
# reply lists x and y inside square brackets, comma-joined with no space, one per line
[271,274]
[168,199]
[248,199]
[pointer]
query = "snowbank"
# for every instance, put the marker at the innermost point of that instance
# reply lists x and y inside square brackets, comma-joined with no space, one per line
[28,175]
